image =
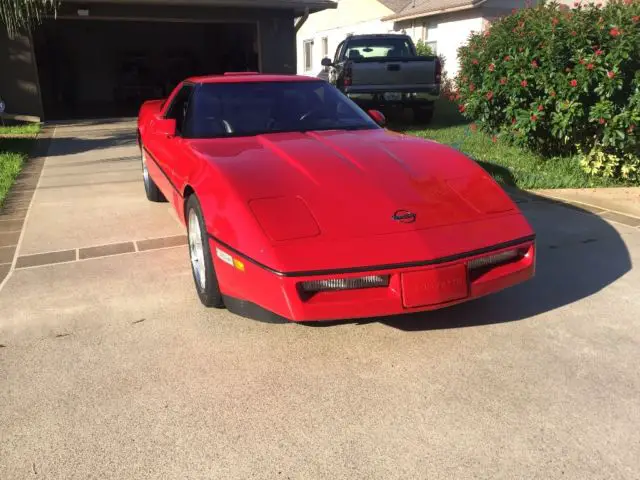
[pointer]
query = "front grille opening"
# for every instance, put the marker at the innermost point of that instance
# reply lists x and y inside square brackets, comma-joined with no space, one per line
[309,288]
[482,265]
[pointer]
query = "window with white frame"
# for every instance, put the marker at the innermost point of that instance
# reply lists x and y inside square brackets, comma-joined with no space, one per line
[430,33]
[325,47]
[308,55]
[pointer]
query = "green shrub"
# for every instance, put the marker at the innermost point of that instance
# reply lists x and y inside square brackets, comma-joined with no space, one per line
[559,81]
[423,49]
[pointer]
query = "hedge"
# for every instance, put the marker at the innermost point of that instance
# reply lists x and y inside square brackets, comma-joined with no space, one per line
[560,81]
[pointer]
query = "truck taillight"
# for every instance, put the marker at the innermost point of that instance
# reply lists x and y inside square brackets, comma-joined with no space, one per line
[348,76]
[438,70]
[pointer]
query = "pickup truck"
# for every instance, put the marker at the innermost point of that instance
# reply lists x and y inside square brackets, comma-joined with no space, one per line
[384,70]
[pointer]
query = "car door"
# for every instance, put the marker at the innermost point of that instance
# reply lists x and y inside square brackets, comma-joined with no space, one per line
[167,148]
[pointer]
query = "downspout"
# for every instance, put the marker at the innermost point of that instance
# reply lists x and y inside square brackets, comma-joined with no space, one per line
[302,20]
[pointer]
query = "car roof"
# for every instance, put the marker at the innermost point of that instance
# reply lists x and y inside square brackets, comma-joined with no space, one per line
[249,77]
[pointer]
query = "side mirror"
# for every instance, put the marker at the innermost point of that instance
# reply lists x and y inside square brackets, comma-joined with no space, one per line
[165,126]
[378,117]
[326,62]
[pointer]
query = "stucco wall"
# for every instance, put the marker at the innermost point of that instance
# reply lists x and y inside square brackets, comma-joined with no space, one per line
[18,77]
[450,31]
[351,16]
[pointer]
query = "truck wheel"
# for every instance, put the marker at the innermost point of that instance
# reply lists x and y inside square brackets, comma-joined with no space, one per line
[422,114]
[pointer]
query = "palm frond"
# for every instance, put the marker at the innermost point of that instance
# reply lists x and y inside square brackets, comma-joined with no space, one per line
[18,14]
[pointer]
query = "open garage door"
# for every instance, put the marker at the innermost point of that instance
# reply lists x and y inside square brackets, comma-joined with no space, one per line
[107,68]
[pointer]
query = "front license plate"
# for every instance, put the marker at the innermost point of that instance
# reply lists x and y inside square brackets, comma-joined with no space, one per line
[434,286]
[393,96]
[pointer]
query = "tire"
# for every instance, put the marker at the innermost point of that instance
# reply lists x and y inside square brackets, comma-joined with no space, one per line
[204,274]
[150,188]
[422,114]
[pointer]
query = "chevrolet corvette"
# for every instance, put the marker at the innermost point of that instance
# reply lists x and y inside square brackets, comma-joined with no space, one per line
[298,203]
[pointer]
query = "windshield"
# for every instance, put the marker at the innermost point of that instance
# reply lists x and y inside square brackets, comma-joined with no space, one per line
[378,47]
[254,108]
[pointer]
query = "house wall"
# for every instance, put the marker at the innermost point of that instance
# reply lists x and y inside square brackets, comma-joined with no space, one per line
[449,31]
[351,16]
[18,76]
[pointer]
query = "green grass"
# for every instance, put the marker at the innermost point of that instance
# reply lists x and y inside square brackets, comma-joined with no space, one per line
[15,144]
[19,130]
[508,164]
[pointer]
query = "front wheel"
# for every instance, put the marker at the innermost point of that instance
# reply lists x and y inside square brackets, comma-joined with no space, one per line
[150,188]
[204,274]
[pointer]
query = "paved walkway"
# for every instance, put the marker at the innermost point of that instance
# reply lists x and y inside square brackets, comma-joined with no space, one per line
[88,202]
[110,367]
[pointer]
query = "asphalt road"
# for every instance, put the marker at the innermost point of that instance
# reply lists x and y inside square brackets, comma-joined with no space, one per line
[111,369]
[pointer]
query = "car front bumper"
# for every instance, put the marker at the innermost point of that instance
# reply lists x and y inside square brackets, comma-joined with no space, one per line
[412,288]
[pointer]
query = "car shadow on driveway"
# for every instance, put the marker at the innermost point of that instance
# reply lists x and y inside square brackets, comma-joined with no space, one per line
[578,254]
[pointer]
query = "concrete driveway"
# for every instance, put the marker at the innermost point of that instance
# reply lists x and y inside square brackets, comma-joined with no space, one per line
[110,368]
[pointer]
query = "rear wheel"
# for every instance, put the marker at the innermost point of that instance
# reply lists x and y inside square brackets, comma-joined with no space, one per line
[204,274]
[423,114]
[150,188]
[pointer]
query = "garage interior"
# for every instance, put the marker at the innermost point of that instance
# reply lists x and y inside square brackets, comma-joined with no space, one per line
[101,68]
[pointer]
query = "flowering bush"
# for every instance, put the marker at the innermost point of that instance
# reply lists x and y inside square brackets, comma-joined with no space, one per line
[559,80]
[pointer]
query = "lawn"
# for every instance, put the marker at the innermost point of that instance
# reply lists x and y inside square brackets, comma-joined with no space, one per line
[507,164]
[15,144]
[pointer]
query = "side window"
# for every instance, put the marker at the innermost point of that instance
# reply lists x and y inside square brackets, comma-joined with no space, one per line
[338,50]
[178,108]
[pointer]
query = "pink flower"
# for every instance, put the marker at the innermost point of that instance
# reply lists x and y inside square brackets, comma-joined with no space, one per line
[507,58]
[534,64]
[590,66]
[573,83]
[513,121]
[534,118]
[472,87]
[574,33]
[492,67]
[611,74]
[602,121]
[489,95]
[555,21]
[635,18]
[524,83]
[540,108]
[614,32]
[474,61]
[503,81]
[461,108]
[598,52]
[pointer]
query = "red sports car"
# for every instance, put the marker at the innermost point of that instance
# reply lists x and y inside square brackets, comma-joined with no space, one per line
[298,202]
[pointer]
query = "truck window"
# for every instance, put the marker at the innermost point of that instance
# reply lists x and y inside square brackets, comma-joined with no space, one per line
[338,50]
[378,48]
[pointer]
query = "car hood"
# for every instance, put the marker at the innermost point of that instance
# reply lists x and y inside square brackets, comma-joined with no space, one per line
[341,184]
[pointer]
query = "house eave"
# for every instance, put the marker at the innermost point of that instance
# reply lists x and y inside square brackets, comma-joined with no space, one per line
[298,6]
[398,17]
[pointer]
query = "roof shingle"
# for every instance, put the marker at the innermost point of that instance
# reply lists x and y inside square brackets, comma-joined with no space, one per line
[417,8]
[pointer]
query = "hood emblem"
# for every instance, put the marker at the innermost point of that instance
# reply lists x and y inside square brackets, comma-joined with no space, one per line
[404,216]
